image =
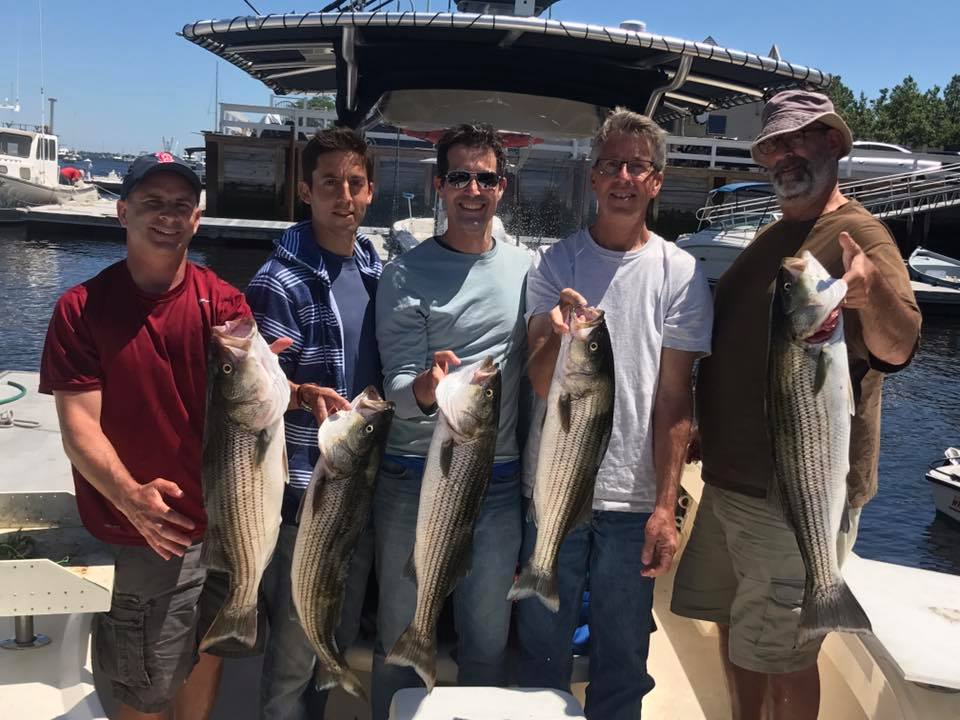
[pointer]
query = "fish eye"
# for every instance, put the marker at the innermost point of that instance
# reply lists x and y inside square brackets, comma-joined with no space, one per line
[488,392]
[368,429]
[787,286]
[227,368]
[594,347]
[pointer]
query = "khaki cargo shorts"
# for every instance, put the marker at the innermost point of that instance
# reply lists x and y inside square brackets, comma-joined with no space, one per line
[742,568]
[146,645]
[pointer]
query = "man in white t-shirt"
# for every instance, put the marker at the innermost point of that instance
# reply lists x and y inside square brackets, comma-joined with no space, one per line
[659,314]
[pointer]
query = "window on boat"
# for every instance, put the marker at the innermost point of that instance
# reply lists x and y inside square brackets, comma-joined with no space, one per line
[716,125]
[15,145]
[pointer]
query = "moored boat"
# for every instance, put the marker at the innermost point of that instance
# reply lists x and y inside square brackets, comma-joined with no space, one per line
[29,174]
[944,479]
[934,268]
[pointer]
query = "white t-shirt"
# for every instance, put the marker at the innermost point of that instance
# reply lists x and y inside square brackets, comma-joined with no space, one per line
[654,298]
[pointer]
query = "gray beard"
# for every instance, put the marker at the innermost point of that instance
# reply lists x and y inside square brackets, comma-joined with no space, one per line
[813,182]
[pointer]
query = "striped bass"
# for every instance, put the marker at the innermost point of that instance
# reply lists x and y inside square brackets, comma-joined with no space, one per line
[333,515]
[810,402]
[244,470]
[458,468]
[576,429]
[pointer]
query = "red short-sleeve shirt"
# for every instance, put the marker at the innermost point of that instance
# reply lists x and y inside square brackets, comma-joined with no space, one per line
[147,354]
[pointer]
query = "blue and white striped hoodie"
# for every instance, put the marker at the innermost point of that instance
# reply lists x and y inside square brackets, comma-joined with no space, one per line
[291,297]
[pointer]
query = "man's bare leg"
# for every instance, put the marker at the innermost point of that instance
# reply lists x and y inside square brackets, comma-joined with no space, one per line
[196,698]
[762,696]
[796,695]
[746,688]
[128,713]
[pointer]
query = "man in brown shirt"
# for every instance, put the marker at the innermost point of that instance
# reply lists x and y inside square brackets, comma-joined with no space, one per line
[742,567]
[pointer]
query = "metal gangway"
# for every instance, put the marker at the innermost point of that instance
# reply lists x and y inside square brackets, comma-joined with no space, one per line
[903,195]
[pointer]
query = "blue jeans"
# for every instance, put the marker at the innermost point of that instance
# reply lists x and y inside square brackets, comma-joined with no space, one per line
[480,606]
[287,688]
[607,550]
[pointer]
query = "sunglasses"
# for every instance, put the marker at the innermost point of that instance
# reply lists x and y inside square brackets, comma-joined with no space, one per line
[635,168]
[459,179]
[789,141]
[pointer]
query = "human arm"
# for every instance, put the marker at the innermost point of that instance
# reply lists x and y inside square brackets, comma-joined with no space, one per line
[94,456]
[890,324]
[672,420]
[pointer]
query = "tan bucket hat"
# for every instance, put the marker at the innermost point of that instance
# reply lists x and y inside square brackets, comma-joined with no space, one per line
[792,110]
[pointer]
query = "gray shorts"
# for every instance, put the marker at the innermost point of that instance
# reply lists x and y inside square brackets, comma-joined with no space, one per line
[742,568]
[146,645]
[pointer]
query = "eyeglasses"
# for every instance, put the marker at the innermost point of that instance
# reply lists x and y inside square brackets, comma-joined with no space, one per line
[789,141]
[459,179]
[635,168]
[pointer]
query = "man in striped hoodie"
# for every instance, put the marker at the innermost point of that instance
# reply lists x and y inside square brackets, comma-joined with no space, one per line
[317,288]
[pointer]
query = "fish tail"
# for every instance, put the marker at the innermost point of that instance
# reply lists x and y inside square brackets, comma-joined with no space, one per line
[834,609]
[536,583]
[344,677]
[239,624]
[417,650]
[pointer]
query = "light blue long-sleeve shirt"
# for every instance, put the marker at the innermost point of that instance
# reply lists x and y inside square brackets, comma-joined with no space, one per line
[433,298]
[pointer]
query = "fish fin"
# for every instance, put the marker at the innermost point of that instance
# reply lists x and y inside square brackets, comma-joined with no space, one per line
[835,608]
[563,406]
[240,625]
[845,518]
[286,466]
[345,678]
[446,457]
[419,651]
[532,512]
[820,378]
[319,477]
[211,552]
[535,583]
[851,399]
[263,444]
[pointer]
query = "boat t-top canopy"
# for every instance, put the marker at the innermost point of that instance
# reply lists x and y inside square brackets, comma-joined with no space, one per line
[475,63]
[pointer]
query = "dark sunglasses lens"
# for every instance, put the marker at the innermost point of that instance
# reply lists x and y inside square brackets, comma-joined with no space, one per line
[458,178]
[488,179]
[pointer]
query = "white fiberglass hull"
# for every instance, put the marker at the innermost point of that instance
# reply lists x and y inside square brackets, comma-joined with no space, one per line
[15,192]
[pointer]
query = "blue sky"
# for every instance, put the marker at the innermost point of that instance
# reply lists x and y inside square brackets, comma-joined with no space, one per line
[124,79]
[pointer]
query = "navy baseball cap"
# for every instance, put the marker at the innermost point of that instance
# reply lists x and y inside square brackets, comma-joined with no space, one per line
[147,165]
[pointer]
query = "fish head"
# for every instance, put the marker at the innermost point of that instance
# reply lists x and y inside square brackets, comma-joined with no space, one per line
[246,375]
[589,353]
[807,299]
[469,398]
[348,438]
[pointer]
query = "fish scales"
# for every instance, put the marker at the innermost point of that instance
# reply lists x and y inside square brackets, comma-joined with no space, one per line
[457,471]
[810,402]
[333,516]
[576,429]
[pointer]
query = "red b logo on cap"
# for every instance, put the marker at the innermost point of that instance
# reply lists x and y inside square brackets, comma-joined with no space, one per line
[163,157]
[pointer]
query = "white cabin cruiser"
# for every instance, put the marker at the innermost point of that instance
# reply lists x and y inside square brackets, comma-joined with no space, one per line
[29,173]
[944,478]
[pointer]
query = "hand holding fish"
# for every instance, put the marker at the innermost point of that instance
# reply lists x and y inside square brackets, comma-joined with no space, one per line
[160,525]
[660,543]
[859,272]
[425,384]
[568,298]
[321,401]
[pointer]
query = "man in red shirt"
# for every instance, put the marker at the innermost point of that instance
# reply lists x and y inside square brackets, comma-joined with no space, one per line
[125,358]
[70,176]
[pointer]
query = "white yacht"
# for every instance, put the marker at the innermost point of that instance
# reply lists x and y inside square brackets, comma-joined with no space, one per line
[29,173]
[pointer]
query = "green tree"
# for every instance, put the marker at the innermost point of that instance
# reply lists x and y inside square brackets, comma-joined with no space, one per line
[950,130]
[907,116]
[856,111]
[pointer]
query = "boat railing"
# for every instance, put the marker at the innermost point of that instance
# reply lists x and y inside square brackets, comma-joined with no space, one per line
[898,195]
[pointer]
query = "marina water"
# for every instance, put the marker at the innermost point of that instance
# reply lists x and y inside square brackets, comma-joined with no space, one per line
[921,405]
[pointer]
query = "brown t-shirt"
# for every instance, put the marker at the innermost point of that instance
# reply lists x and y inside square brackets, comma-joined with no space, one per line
[737,454]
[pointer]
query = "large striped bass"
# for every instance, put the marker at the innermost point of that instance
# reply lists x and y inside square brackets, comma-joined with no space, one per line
[576,429]
[333,515]
[810,402]
[244,471]
[458,468]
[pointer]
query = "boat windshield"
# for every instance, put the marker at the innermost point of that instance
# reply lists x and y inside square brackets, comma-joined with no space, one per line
[14,145]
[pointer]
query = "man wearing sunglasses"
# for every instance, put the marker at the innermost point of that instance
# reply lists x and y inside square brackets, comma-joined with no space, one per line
[658,312]
[742,567]
[452,300]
